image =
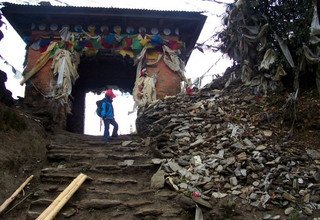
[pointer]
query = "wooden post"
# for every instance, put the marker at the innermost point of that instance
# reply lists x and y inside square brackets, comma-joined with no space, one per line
[53,209]
[14,195]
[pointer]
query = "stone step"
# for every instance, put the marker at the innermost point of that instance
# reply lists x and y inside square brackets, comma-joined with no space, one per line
[98,203]
[99,148]
[54,157]
[78,150]
[160,211]
[129,196]
[95,150]
[38,206]
[95,144]
[68,177]
[54,189]
[143,192]
[85,137]
[31,215]
[140,208]
[104,169]
[93,203]
[41,203]
[145,168]
[148,212]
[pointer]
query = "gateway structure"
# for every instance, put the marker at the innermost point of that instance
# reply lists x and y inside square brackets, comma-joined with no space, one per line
[74,50]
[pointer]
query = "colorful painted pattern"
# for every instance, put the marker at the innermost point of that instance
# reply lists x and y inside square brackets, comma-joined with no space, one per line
[88,43]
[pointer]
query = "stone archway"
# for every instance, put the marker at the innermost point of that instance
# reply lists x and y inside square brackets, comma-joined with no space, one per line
[95,75]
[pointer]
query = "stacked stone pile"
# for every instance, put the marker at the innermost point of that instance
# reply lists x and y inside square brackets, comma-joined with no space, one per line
[219,146]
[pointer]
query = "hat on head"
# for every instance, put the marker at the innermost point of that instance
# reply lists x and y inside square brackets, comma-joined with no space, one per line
[110,93]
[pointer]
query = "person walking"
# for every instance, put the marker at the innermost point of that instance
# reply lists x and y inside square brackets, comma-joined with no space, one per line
[107,114]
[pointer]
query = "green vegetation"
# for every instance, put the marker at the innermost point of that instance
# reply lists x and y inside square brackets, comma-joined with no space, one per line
[275,44]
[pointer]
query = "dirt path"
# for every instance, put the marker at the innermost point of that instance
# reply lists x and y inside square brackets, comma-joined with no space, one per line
[116,190]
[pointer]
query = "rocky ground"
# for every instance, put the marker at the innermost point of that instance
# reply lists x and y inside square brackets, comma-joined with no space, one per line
[225,154]
[238,150]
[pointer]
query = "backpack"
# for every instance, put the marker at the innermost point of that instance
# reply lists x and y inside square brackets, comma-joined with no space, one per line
[99,107]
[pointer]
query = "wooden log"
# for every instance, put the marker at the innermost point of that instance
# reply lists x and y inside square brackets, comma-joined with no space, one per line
[14,195]
[63,194]
[52,210]
[56,209]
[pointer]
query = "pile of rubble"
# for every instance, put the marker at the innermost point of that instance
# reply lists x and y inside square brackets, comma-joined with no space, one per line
[213,145]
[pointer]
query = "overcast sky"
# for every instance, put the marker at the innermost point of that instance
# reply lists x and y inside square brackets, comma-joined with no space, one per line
[12,46]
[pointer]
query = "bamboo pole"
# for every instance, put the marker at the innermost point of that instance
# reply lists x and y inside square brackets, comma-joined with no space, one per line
[56,209]
[14,195]
[53,209]
[56,201]
[59,198]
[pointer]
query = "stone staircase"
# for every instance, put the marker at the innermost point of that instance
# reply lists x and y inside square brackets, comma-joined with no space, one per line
[119,185]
